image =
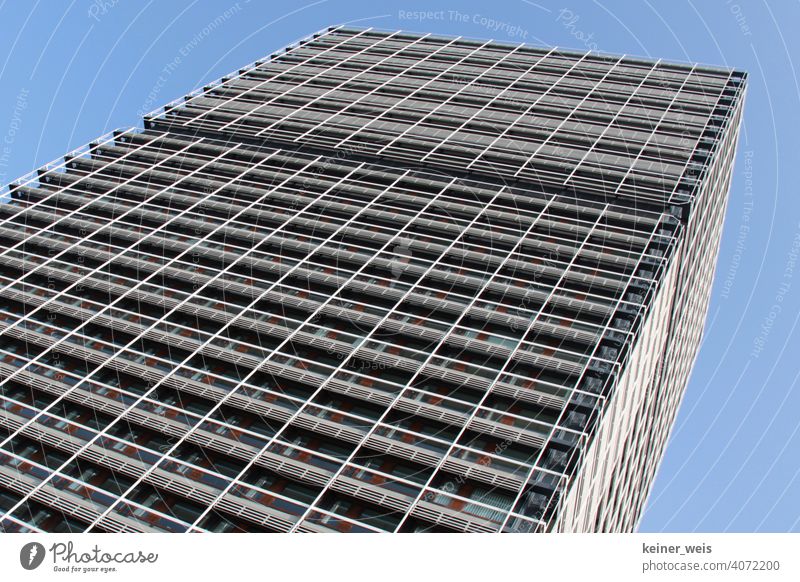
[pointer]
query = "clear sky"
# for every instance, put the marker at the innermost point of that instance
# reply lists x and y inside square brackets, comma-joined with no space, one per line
[72,71]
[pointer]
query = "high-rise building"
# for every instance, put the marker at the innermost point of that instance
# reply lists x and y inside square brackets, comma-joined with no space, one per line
[378,281]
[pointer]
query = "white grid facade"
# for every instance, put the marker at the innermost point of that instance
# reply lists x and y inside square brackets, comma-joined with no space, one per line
[379,281]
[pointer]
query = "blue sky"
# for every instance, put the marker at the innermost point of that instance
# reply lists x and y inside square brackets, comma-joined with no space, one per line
[73,71]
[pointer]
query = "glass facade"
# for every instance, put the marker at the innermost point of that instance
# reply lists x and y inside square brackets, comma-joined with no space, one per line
[376,282]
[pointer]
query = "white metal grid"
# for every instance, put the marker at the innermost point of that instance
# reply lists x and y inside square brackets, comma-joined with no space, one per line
[339,226]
